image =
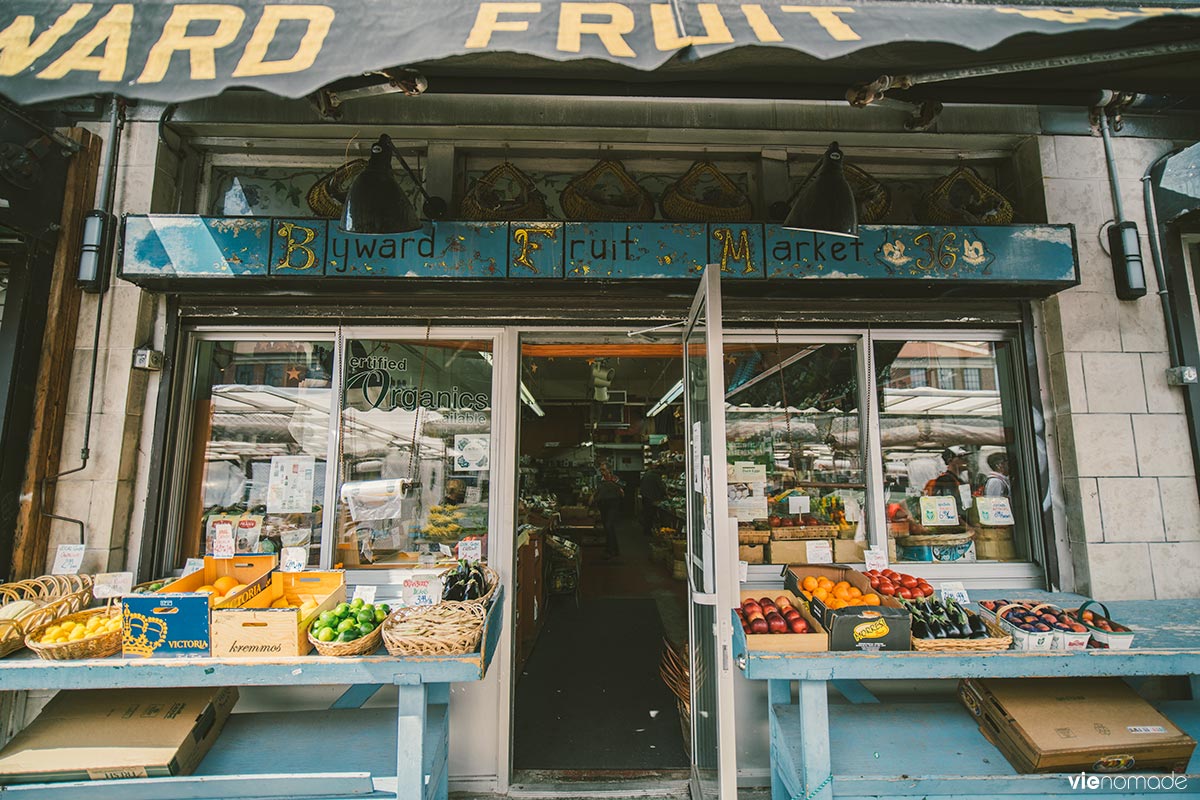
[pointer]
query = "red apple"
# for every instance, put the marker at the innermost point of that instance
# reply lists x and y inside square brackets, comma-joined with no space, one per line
[798,625]
[759,626]
[777,624]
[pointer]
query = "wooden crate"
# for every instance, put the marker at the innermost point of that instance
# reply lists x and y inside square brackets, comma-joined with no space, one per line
[752,553]
[258,631]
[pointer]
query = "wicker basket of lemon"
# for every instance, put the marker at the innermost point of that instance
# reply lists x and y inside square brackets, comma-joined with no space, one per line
[94,633]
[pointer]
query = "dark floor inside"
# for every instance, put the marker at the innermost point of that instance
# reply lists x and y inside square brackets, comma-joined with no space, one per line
[590,696]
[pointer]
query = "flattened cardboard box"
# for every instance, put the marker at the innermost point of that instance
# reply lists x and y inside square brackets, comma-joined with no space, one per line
[102,734]
[1072,725]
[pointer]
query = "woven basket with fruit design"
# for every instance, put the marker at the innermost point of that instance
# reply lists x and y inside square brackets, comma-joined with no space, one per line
[606,193]
[705,194]
[327,197]
[963,198]
[52,596]
[446,629]
[485,200]
[95,646]
[363,645]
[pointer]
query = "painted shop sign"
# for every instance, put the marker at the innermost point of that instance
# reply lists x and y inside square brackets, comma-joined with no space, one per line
[168,248]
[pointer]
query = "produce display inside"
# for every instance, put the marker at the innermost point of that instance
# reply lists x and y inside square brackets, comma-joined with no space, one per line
[771,616]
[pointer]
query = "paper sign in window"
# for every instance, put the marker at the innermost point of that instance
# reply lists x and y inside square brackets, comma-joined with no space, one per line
[938,511]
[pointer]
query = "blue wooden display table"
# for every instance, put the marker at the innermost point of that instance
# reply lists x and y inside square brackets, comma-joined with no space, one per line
[339,753]
[867,749]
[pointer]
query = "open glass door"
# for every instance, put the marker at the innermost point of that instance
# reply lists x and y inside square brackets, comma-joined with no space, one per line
[712,555]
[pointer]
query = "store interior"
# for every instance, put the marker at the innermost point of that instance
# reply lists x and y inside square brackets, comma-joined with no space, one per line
[590,692]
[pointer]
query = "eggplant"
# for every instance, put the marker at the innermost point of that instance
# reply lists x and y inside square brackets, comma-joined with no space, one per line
[978,629]
[935,628]
[921,631]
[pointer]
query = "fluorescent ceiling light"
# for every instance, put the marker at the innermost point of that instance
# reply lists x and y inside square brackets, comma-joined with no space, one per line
[670,397]
[526,395]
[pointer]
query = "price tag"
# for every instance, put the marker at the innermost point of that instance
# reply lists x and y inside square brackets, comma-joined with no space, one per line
[799,504]
[471,549]
[193,565]
[939,510]
[964,495]
[876,558]
[445,550]
[420,592]
[819,551]
[994,511]
[953,589]
[474,494]
[366,591]
[293,559]
[112,584]
[223,539]
[743,571]
[68,559]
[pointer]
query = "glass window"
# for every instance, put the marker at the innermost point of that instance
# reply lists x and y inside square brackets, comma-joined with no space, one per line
[945,378]
[950,454]
[971,379]
[415,449]
[792,420]
[916,378]
[260,433]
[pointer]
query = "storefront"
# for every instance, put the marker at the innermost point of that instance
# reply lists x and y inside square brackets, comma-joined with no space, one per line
[476,379]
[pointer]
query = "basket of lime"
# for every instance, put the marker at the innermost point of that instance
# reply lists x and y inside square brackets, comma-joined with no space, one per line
[348,629]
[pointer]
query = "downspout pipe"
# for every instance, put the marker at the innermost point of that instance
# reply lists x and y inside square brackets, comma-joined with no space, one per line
[1156,258]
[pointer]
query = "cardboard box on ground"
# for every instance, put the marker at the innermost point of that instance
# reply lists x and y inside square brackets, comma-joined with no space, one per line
[1075,725]
[101,734]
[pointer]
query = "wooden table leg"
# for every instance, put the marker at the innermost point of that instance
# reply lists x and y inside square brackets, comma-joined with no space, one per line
[778,693]
[816,768]
[410,737]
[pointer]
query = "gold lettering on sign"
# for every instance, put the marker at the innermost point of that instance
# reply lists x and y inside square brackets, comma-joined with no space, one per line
[571,27]
[287,230]
[487,21]
[18,48]
[925,264]
[760,23]
[524,237]
[945,255]
[738,252]
[254,59]
[1069,16]
[113,31]
[666,33]
[201,48]
[827,17]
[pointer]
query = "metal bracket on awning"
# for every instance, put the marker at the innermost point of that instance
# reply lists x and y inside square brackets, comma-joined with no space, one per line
[864,94]
[399,80]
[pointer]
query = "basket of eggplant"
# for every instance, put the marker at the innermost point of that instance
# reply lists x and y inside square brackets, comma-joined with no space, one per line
[470,582]
[945,626]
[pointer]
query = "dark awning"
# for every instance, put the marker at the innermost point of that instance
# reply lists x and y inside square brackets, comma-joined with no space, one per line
[166,51]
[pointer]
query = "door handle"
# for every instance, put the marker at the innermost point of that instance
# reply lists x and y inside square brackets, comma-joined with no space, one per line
[701,598]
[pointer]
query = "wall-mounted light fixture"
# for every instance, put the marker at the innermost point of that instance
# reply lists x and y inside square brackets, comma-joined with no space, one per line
[95,251]
[825,203]
[376,203]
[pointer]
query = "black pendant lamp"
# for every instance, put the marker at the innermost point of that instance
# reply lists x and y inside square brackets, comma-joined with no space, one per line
[826,204]
[376,204]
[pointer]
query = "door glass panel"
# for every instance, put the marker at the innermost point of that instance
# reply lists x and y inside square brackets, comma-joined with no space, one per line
[952,484]
[793,441]
[416,449]
[260,434]
[705,733]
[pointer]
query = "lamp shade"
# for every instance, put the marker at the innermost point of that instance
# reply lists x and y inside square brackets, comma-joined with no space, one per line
[375,202]
[826,204]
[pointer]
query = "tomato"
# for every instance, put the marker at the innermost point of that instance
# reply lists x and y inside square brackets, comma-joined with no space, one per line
[927,590]
[891,574]
[886,587]
[908,582]
[874,582]
[906,593]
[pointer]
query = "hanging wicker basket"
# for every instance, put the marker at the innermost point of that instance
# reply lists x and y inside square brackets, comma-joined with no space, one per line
[705,194]
[327,196]
[963,198]
[606,193]
[485,200]
[871,197]
[447,629]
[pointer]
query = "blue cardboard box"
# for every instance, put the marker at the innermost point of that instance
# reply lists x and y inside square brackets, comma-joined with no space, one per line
[165,625]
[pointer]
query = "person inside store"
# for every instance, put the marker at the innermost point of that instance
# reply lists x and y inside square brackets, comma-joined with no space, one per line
[607,500]
[951,481]
[456,492]
[652,490]
[996,484]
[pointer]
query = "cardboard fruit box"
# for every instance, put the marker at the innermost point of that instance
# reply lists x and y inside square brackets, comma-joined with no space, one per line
[887,626]
[258,630]
[1073,724]
[815,642]
[102,734]
[175,621]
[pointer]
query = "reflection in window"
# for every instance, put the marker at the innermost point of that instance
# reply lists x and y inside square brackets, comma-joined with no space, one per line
[916,377]
[261,429]
[949,453]
[416,449]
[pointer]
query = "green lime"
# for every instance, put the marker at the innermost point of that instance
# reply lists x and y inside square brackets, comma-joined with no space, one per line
[357,602]
[327,617]
[346,625]
[347,636]
[154,587]
[365,616]
[385,607]
[325,635]
[380,615]
[365,627]
[342,609]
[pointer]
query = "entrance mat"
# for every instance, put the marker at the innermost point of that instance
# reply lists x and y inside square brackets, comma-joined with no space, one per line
[586,696]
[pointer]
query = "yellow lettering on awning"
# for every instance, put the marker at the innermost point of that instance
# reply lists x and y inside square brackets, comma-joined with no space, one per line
[666,35]
[254,59]
[201,48]
[760,23]
[1068,16]
[113,31]
[827,17]
[487,21]
[571,27]
[18,48]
